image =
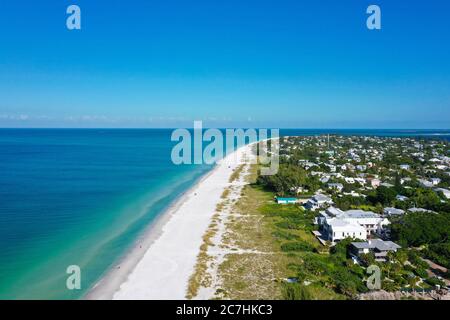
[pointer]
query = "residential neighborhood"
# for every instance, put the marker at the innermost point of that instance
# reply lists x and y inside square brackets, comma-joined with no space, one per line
[383,200]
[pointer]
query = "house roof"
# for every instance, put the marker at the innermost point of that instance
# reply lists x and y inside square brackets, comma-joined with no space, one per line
[444,191]
[321,198]
[334,211]
[361,214]
[286,199]
[390,210]
[339,185]
[338,224]
[377,244]
[420,210]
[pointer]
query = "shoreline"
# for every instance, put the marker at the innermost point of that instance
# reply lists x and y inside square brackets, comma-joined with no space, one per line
[160,263]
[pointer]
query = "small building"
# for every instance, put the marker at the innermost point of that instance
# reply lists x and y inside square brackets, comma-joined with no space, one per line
[374,182]
[349,180]
[325,179]
[446,192]
[336,186]
[401,198]
[379,248]
[361,167]
[425,183]
[318,201]
[336,224]
[420,210]
[386,185]
[393,211]
[404,180]
[435,181]
[286,200]
[405,167]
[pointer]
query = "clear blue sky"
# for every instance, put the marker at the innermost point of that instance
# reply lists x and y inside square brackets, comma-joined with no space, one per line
[278,63]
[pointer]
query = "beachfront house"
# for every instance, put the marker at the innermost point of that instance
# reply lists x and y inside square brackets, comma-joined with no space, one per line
[286,200]
[377,247]
[336,230]
[337,224]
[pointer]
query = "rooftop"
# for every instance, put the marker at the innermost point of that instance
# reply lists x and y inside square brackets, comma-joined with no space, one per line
[377,244]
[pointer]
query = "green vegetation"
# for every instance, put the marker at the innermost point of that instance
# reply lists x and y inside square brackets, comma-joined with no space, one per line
[417,229]
[236,173]
[295,264]
[439,253]
[288,179]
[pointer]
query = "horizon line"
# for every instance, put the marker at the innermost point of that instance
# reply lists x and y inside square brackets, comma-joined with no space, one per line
[174,128]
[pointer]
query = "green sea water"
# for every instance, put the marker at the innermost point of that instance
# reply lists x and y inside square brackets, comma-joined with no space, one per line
[79,197]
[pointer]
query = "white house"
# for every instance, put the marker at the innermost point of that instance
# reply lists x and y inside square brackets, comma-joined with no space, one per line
[393,211]
[435,181]
[349,180]
[336,229]
[361,167]
[336,186]
[375,183]
[446,192]
[338,224]
[425,183]
[404,180]
[371,221]
[325,179]
[420,210]
[401,198]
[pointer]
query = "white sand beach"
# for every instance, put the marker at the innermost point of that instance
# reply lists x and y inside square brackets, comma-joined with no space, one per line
[162,262]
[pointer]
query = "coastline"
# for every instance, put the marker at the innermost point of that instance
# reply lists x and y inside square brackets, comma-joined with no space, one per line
[160,263]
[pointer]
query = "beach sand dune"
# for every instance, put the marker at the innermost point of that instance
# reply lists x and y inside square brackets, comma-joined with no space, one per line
[161,263]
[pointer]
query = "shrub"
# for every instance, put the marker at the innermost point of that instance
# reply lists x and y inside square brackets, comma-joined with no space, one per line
[439,253]
[420,272]
[284,235]
[295,291]
[297,246]
[434,282]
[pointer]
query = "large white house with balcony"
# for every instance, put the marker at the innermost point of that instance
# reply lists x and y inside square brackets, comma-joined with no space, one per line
[336,224]
[336,230]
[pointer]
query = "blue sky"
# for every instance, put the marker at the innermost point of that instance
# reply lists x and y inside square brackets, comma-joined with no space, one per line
[251,63]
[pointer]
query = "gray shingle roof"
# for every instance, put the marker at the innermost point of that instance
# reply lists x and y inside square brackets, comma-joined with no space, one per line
[377,244]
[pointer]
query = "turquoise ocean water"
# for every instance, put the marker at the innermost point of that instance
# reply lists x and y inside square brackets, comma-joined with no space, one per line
[78,197]
[82,197]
